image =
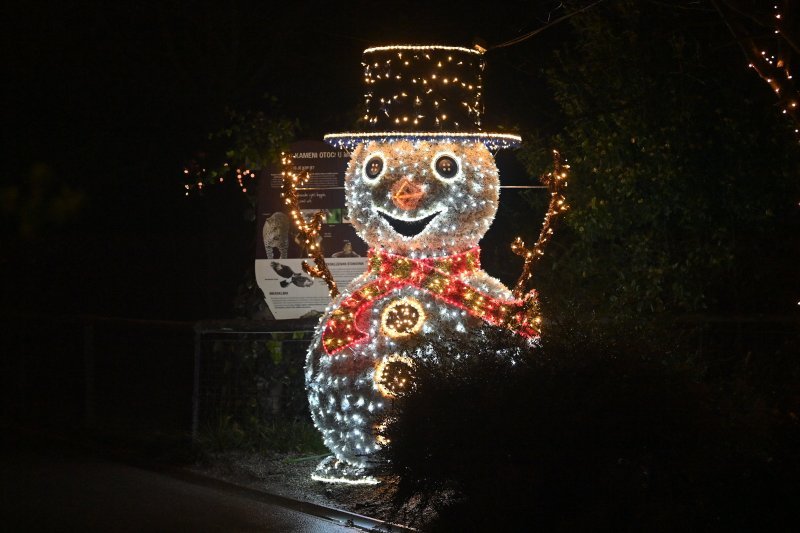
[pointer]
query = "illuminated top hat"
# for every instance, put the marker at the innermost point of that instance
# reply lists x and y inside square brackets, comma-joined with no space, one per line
[423,93]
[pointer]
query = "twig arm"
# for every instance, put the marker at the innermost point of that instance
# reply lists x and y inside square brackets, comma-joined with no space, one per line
[555,181]
[309,231]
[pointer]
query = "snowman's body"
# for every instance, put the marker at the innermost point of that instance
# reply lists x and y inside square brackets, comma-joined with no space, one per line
[422,206]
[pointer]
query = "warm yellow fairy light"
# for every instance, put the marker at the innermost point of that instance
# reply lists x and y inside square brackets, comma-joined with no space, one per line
[379,438]
[402,318]
[772,68]
[435,70]
[555,181]
[421,48]
[393,375]
[308,231]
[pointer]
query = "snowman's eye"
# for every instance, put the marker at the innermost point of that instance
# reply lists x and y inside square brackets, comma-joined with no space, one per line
[446,166]
[373,167]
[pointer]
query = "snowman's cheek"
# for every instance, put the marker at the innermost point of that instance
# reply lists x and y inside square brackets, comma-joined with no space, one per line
[361,198]
[380,198]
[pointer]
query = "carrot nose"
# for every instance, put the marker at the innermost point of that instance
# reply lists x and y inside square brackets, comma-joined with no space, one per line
[406,194]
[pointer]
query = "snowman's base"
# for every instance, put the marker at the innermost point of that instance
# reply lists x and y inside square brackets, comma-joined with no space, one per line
[332,470]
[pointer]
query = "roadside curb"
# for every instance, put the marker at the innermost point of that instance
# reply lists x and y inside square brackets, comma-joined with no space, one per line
[337,516]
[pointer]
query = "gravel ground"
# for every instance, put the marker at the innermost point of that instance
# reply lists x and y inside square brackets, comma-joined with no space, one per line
[290,475]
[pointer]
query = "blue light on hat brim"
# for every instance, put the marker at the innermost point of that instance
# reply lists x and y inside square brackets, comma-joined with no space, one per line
[493,141]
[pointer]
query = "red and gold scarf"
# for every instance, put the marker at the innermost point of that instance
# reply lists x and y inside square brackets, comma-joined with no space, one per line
[441,277]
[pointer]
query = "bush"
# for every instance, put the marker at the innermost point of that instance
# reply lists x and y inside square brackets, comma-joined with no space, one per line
[589,436]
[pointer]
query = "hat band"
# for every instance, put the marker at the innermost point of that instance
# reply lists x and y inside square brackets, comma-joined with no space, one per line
[493,141]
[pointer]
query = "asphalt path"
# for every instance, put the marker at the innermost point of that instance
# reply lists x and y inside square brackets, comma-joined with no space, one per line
[61,490]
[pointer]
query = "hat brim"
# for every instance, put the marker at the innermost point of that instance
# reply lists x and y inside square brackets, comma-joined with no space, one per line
[493,141]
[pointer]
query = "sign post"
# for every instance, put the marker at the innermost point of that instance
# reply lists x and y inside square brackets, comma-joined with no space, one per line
[288,291]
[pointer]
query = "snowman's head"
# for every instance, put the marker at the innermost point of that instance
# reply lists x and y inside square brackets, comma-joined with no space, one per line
[422,198]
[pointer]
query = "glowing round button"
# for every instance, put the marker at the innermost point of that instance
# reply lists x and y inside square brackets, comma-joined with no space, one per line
[402,318]
[394,375]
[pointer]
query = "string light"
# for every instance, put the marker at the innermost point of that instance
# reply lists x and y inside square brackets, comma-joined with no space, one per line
[402,318]
[422,219]
[199,178]
[309,232]
[423,93]
[555,181]
[425,48]
[394,375]
[493,141]
[443,279]
[772,67]
[406,194]
[328,471]
[422,188]
[424,284]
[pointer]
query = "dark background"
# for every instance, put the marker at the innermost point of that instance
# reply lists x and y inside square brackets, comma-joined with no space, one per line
[112,100]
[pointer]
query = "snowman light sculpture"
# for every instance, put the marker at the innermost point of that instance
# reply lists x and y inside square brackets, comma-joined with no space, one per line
[422,189]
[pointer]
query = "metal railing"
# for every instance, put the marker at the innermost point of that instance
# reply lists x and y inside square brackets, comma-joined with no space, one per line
[166,376]
[247,370]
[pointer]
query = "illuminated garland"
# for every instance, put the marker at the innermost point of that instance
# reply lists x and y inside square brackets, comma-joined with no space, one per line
[422,189]
[555,181]
[331,471]
[423,88]
[394,375]
[402,318]
[422,288]
[309,231]
[771,66]
[200,174]
[440,278]
[463,206]
[428,47]
[493,141]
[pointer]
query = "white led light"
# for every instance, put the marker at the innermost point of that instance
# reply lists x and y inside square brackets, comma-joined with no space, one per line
[367,162]
[493,141]
[459,176]
[404,47]
[424,285]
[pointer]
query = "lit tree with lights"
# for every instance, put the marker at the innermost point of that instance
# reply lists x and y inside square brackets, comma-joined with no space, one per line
[684,179]
[765,38]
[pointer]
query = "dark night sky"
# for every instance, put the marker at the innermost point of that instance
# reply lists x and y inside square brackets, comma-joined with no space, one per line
[131,85]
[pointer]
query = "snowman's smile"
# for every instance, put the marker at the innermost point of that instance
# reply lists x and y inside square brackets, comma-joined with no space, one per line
[408,228]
